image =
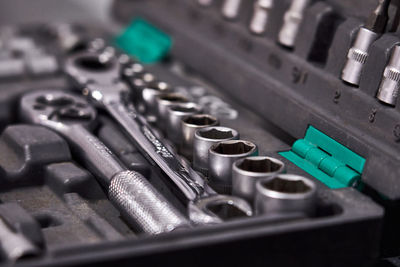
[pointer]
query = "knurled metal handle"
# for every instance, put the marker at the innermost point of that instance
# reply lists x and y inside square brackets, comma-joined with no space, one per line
[142,205]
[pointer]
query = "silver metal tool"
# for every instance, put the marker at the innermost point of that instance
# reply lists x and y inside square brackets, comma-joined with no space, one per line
[230,9]
[359,52]
[175,115]
[129,191]
[22,44]
[285,193]
[146,87]
[205,2]
[68,37]
[259,20]
[12,67]
[246,172]
[390,83]
[15,245]
[164,101]
[41,64]
[292,20]
[189,126]
[221,158]
[149,95]
[100,82]
[206,138]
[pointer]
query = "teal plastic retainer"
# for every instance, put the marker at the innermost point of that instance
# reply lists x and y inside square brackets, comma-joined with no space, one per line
[144,41]
[327,160]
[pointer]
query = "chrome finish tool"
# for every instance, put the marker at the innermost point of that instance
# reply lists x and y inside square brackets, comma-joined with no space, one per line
[137,200]
[99,80]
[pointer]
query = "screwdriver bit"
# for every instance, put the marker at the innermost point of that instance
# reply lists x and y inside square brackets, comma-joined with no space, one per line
[359,52]
[378,20]
[230,9]
[259,20]
[292,20]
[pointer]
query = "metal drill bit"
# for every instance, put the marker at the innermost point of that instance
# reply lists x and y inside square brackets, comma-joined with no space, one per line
[359,52]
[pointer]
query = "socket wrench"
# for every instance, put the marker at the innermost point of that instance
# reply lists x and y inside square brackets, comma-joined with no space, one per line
[129,191]
[189,126]
[147,88]
[206,138]
[164,101]
[285,193]
[369,33]
[175,115]
[149,96]
[246,172]
[221,158]
[100,82]
[390,83]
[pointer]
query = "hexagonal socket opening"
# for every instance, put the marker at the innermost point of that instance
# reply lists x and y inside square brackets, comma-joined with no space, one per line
[173,98]
[233,148]
[200,120]
[55,101]
[184,109]
[226,211]
[216,134]
[282,185]
[260,165]
[92,63]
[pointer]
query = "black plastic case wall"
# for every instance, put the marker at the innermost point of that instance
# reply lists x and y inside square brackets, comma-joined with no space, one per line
[294,88]
[291,89]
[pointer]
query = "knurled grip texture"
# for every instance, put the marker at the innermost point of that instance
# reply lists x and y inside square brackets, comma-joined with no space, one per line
[141,204]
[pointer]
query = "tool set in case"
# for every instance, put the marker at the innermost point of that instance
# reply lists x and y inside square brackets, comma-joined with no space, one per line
[206,132]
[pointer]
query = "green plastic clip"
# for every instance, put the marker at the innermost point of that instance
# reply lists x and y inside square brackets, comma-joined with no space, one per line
[144,41]
[327,160]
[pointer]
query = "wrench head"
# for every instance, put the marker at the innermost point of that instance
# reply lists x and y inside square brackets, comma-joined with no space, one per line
[56,108]
[91,68]
[219,208]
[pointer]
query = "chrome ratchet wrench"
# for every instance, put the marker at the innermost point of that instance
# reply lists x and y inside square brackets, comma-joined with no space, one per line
[137,200]
[99,79]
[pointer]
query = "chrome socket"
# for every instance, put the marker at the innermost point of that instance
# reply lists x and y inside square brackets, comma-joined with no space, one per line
[221,158]
[389,87]
[206,138]
[285,193]
[357,56]
[246,172]
[149,96]
[164,101]
[189,126]
[259,20]
[175,114]
[292,20]
[230,9]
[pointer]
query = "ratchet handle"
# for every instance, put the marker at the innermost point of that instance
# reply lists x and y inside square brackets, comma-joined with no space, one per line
[93,153]
[137,200]
[140,204]
[155,150]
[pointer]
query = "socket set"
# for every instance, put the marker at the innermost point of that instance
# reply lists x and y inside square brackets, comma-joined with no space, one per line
[273,142]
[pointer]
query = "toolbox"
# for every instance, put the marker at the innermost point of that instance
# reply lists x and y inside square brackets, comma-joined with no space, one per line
[299,99]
